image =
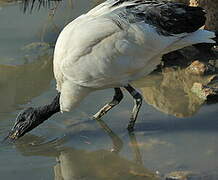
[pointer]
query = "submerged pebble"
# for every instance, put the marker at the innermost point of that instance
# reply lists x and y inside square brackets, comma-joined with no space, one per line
[182,175]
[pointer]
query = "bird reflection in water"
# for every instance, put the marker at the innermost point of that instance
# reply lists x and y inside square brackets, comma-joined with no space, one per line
[83,164]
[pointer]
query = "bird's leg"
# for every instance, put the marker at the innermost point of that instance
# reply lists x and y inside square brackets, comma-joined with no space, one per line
[118,96]
[138,102]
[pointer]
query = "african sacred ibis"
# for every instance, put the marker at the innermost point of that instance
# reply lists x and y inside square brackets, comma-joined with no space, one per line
[110,46]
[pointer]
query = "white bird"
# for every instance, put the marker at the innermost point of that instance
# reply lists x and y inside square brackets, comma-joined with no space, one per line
[115,43]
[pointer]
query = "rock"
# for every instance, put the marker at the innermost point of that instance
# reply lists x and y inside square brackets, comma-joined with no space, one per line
[34,50]
[215,48]
[182,175]
[162,90]
[189,175]
[36,46]
[203,91]
[213,80]
[8,2]
[201,68]
[173,59]
[211,7]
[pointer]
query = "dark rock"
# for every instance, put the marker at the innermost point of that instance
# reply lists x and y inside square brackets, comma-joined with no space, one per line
[174,58]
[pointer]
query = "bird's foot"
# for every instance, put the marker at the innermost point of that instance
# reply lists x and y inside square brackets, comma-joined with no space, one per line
[97,116]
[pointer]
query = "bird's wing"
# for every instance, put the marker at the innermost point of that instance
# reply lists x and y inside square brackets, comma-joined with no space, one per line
[117,39]
[167,17]
[106,51]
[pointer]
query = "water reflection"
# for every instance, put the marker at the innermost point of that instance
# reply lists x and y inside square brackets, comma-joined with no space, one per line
[170,92]
[7,2]
[165,150]
[37,4]
[19,84]
[78,164]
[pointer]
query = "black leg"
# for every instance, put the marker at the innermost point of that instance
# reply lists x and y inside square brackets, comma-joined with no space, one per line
[118,96]
[138,102]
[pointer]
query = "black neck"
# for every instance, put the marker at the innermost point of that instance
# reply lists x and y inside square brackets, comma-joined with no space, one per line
[44,112]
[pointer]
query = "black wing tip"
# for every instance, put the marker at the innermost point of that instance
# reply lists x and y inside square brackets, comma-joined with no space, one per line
[181,18]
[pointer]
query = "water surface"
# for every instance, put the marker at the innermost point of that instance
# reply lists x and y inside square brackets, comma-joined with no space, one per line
[174,131]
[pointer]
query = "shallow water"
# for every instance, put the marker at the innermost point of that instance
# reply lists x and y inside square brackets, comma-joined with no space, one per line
[174,130]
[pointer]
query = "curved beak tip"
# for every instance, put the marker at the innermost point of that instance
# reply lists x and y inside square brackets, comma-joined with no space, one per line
[12,136]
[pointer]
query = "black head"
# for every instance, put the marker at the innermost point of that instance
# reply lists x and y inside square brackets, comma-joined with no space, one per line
[25,122]
[30,118]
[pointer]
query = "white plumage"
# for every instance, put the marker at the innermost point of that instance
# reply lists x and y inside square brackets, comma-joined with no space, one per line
[102,49]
